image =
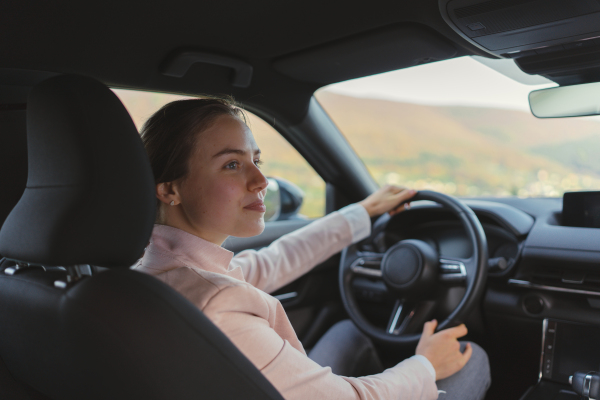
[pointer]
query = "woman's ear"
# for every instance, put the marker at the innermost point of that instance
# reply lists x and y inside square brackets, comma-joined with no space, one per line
[166,192]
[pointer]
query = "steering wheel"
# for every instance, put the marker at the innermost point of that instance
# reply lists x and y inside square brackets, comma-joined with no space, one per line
[413,274]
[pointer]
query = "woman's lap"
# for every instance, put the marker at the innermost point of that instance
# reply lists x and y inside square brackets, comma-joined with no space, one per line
[472,381]
[347,351]
[350,353]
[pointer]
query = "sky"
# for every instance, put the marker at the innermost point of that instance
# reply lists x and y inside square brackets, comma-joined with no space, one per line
[460,81]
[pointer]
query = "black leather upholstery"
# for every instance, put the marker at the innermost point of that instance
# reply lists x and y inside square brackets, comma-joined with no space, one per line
[118,334]
[13,176]
[89,186]
[13,157]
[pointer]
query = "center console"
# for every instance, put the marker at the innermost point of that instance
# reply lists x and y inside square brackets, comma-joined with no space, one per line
[567,347]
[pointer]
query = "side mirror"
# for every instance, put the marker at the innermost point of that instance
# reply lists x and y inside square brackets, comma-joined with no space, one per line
[283,200]
[272,201]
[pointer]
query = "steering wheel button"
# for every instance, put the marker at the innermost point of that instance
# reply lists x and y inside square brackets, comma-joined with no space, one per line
[450,268]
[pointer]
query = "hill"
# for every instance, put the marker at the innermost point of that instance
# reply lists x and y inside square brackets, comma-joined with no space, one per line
[476,151]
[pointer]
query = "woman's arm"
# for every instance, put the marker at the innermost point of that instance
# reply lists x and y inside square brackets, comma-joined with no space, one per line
[294,254]
[298,252]
[248,319]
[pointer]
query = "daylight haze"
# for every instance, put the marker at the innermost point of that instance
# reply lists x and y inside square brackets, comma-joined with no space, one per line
[460,81]
[462,128]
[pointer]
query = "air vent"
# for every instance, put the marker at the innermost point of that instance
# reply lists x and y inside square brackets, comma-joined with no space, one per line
[547,276]
[593,279]
[566,278]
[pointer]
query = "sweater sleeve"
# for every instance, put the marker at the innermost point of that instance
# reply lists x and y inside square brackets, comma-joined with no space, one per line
[297,377]
[296,253]
[246,317]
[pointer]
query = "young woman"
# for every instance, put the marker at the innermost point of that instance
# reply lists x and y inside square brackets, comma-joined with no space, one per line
[209,186]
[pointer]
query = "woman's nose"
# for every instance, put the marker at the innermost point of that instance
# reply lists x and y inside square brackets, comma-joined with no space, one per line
[258,181]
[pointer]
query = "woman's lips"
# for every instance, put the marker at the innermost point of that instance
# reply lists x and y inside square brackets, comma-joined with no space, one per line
[256,206]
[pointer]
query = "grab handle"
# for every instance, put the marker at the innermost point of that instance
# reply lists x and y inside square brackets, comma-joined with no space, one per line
[178,65]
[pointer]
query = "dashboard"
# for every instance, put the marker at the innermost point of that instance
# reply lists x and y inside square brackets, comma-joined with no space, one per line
[540,254]
[552,271]
[444,232]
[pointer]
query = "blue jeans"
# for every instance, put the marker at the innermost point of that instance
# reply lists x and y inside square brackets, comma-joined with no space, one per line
[350,353]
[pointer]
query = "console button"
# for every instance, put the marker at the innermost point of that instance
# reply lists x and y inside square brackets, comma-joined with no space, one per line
[533,304]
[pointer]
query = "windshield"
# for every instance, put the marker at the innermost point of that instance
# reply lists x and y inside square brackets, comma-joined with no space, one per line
[464,129]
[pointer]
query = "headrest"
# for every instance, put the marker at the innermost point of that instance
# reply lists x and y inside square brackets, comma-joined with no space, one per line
[13,157]
[89,197]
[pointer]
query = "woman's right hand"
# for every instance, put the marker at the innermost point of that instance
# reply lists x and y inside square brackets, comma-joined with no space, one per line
[389,198]
[442,349]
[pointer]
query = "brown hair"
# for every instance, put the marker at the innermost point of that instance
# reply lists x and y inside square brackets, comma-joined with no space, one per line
[170,134]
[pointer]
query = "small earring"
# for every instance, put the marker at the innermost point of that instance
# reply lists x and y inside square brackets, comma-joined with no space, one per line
[172,203]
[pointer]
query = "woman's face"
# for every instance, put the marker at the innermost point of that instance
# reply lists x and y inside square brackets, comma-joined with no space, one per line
[222,194]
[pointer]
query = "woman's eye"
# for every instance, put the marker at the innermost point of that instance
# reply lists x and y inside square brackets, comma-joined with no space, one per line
[258,163]
[232,165]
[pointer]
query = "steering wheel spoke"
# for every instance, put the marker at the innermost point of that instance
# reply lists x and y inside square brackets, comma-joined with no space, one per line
[453,270]
[400,318]
[367,264]
[408,316]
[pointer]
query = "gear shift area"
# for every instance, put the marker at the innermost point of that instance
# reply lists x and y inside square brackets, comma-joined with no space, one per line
[569,360]
[586,384]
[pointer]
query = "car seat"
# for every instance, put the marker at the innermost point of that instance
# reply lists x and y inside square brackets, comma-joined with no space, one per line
[13,176]
[13,156]
[118,334]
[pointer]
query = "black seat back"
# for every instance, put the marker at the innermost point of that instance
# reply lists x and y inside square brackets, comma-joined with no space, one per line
[13,157]
[13,176]
[118,334]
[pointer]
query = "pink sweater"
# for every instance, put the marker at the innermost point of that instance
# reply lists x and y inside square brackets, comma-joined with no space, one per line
[232,293]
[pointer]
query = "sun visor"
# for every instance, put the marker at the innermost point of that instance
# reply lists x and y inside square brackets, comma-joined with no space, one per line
[369,53]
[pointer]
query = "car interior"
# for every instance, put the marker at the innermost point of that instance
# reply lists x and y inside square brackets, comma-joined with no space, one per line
[77,200]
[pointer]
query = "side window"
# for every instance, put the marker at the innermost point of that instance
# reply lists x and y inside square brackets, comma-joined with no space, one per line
[280,159]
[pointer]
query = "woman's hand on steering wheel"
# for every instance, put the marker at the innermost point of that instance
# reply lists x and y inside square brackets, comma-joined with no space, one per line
[389,198]
[442,349]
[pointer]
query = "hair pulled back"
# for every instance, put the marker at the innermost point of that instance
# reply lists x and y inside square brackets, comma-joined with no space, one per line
[170,134]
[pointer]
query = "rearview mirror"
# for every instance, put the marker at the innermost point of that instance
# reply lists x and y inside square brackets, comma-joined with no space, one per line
[566,101]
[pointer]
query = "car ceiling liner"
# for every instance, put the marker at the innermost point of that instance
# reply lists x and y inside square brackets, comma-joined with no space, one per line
[377,51]
[555,38]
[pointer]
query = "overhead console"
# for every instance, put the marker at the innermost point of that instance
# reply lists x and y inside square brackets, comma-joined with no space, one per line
[513,28]
[554,38]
